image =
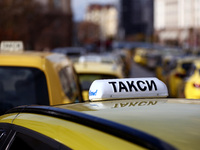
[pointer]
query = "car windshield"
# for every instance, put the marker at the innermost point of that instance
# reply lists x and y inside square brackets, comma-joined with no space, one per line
[186,66]
[22,86]
[87,79]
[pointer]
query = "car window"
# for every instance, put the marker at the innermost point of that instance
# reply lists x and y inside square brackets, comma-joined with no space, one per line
[25,139]
[68,82]
[87,79]
[22,86]
[2,134]
[2,137]
[25,142]
[72,79]
[191,70]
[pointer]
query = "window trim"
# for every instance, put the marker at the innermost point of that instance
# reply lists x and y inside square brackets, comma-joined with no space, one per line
[14,129]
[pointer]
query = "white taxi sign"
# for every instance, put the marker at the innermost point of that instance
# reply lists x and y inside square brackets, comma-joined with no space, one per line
[12,46]
[127,88]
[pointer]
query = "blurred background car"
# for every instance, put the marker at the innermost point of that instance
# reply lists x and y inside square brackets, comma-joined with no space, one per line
[179,70]
[93,67]
[140,56]
[126,58]
[192,83]
[165,61]
[37,78]
[71,52]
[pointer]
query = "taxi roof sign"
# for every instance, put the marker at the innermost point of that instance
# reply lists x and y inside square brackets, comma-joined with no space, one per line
[127,88]
[12,46]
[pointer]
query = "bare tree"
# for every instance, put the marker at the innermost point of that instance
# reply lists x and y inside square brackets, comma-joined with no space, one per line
[28,20]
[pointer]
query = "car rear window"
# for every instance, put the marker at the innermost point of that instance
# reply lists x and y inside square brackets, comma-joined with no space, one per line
[186,66]
[22,86]
[87,79]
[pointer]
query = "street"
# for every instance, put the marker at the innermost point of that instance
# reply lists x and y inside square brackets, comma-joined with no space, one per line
[140,71]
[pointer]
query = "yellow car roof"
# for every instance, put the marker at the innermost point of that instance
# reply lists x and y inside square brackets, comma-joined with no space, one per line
[97,68]
[29,58]
[175,121]
[26,53]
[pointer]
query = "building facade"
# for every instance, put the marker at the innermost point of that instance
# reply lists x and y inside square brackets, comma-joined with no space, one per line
[136,19]
[177,22]
[62,5]
[59,33]
[40,24]
[106,17]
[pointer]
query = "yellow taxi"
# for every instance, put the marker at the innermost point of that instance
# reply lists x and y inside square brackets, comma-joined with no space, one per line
[92,67]
[130,113]
[192,84]
[29,77]
[178,72]
[140,56]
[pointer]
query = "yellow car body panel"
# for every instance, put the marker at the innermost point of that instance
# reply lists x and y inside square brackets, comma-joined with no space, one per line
[140,56]
[159,73]
[7,118]
[85,94]
[71,134]
[192,84]
[190,91]
[175,121]
[177,75]
[174,82]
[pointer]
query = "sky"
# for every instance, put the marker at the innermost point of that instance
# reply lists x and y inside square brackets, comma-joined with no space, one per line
[79,6]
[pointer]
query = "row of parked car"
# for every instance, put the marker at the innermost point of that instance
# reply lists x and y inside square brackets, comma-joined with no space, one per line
[57,77]
[92,66]
[122,113]
[177,68]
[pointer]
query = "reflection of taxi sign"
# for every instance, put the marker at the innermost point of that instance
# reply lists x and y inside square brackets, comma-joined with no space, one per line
[127,88]
[12,46]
